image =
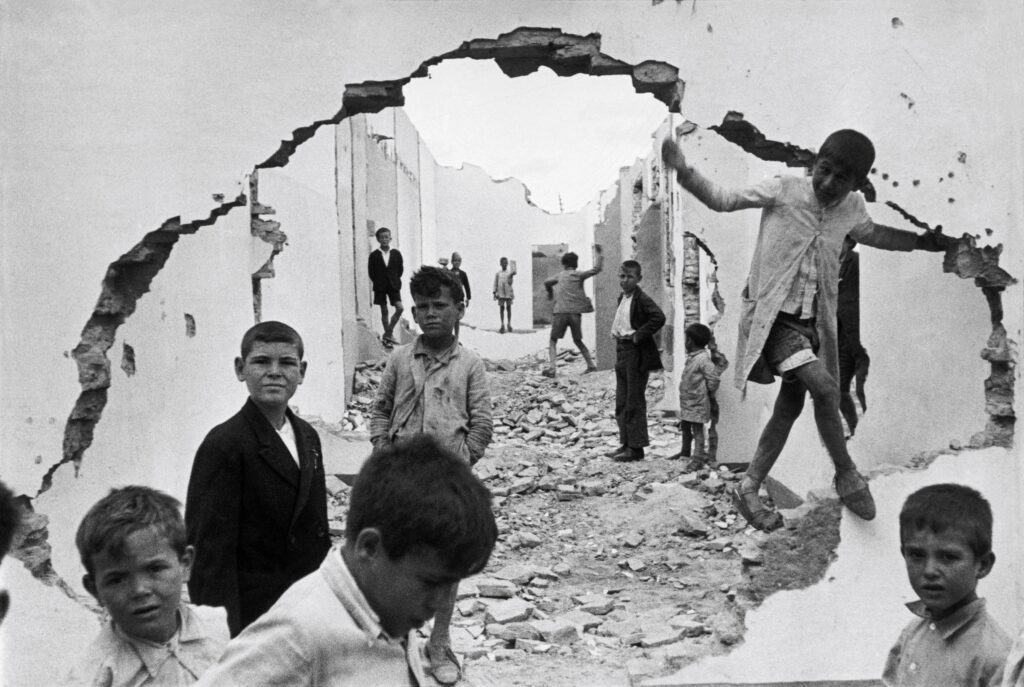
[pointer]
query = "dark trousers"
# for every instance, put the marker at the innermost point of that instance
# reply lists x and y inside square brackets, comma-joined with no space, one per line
[630,401]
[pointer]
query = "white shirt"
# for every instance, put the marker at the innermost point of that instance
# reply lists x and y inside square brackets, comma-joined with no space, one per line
[287,434]
[620,325]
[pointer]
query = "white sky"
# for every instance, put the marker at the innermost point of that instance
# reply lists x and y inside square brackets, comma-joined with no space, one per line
[558,135]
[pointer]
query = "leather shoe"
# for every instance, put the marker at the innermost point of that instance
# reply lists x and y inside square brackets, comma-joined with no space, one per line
[629,455]
[615,452]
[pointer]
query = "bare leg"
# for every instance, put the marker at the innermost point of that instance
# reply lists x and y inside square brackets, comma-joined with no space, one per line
[440,639]
[508,314]
[586,353]
[553,355]
[825,392]
[399,308]
[384,318]
[788,406]
[849,410]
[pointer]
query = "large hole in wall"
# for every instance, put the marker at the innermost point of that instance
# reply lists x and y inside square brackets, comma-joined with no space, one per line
[517,54]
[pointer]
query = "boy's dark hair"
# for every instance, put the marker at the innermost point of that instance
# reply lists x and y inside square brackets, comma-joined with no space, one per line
[420,494]
[10,519]
[852,148]
[125,511]
[699,334]
[570,260]
[429,280]
[939,507]
[634,266]
[380,231]
[270,332]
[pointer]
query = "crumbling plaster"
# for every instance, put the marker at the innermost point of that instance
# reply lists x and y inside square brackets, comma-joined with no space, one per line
[135,166]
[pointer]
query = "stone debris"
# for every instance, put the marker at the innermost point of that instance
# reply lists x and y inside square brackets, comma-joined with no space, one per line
[637,565]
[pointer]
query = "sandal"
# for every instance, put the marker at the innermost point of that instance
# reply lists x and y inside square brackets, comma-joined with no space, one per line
[447,670]
[760,517]
[858,500]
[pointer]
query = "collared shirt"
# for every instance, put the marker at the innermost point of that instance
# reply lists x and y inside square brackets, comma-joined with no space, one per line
[621,328]
[569,295]
[321,632]
[800,299]
[287,434]
[386,254]
[966,648]
[444,393]
[795,228]
[1013,673]
[117,660]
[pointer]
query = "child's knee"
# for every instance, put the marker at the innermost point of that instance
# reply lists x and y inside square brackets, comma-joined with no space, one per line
[399,308]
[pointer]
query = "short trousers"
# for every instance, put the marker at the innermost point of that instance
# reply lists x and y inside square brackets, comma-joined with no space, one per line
[562,320]
[382,297]
[791,343]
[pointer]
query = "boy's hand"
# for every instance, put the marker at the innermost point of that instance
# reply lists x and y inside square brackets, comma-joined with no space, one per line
[672,155]
[934,241]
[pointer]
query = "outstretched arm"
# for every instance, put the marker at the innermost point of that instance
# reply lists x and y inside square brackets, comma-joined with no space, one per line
[711,194]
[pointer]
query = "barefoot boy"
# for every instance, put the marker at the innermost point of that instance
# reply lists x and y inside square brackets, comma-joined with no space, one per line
[132,545]
[256,509]
[566,290]
[697,387]
[946,541]
[789,301]
[438,387]
[418,522]
[637,319]
[503,293]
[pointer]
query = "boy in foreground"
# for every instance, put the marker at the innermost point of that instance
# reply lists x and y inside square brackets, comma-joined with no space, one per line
[570,302]
[438,387]
[418,522]
[637,319]
[946,542]
[256,509]
[788,318]
[132,545]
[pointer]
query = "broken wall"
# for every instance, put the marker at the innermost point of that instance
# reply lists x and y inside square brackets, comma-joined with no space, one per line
[484,219]
[134,129]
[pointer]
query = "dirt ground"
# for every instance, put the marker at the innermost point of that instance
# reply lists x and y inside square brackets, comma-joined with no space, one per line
[605,572]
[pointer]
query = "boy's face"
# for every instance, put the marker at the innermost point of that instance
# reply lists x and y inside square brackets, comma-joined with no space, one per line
[272,371]
[141,588]
[942,568]
[384,239]
[628,280]
[832,180]
[456,261]
[404,592]
[504,263]
[436,315]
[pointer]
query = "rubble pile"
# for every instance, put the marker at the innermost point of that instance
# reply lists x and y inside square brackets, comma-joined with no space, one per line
[600,566]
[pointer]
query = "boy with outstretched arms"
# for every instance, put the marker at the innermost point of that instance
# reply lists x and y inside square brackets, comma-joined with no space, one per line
[418,522]
[438,387]
[133,549]
[946,542]
[570,302]
[788,320]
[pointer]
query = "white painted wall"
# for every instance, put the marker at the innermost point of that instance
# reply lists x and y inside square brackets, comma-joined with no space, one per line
[114,120]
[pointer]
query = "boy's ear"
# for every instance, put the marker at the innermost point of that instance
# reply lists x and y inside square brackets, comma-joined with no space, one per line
[302,371]
[187,559]
[239,366]
[985,564]
[369,544]
[90,585]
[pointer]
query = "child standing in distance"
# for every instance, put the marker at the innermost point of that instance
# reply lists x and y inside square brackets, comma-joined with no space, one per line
[438,387]
[789,301]
[418,521]
[256,509]
[946,542]
[132,545]
[456,269]
[637,319]
[697,387]
[570,303]
[385,268]
[503,293]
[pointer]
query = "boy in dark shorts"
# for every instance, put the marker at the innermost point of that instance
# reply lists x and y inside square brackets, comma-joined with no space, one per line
[570,302]
[788,316]
[385,267]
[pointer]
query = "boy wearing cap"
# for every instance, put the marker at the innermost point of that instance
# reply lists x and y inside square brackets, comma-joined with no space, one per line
[788,318]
